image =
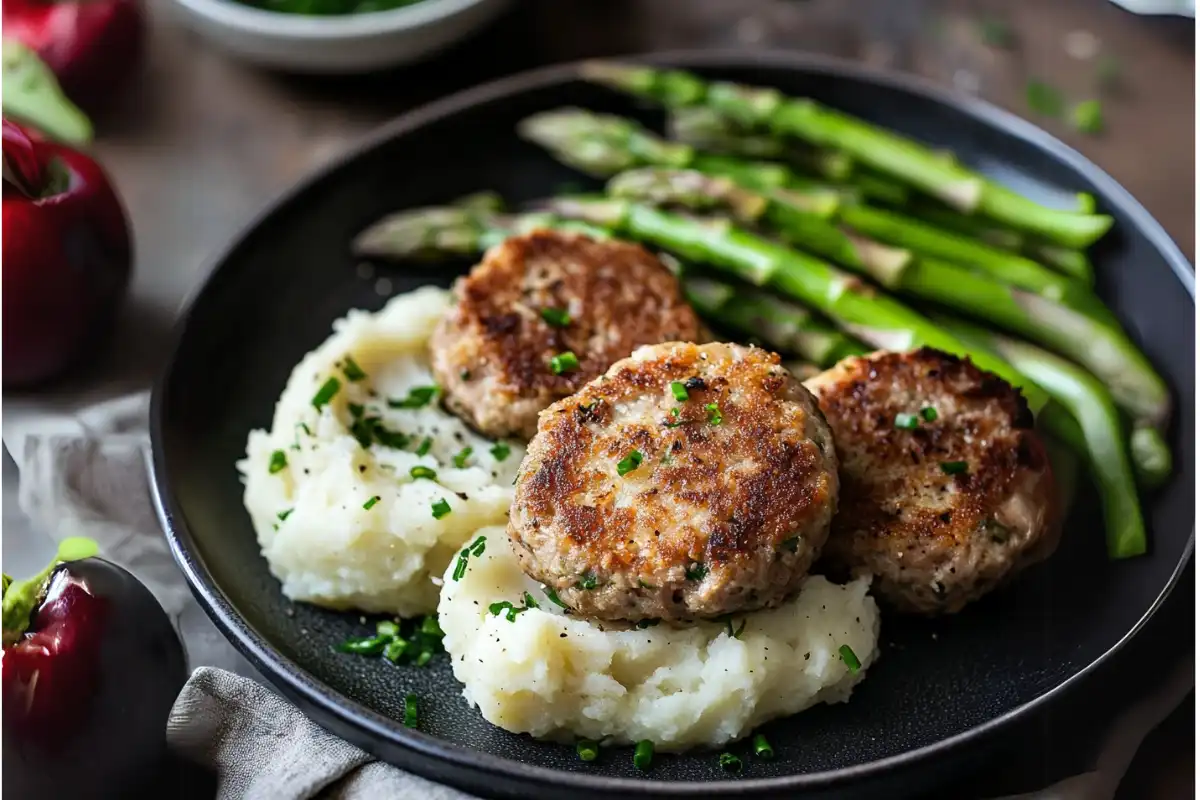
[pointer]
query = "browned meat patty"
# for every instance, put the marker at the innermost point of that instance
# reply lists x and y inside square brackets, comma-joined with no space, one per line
[942,505]
[635,502]
[540,295]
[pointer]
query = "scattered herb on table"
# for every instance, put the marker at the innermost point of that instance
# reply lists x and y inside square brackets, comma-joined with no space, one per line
[1087,117]
[730,763]
[587,750]
[762,748]
[410,711]
[643,754]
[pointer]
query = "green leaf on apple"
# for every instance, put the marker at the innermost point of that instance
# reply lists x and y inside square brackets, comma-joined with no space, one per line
[31,94]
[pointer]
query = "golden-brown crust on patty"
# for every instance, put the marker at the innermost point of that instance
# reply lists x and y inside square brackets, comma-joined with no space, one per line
[741,481]
[492,351]
[936,534]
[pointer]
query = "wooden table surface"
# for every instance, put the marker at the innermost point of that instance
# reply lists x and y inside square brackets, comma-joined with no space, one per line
[203,143]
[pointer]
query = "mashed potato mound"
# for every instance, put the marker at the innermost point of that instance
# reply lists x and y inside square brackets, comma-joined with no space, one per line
[349,526]
[560,677]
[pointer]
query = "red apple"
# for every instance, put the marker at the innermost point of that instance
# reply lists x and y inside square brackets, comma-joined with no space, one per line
[93,46]
[67,256]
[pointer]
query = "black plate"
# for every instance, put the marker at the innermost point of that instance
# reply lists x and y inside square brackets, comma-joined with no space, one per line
[939,686]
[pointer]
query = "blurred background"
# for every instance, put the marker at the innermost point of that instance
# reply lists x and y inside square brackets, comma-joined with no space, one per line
[201,140]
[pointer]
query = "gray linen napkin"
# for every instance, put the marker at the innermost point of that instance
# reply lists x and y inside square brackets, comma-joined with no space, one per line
[87,475]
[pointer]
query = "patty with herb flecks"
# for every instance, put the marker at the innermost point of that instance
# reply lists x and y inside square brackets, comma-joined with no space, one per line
[544,313]
[946,490]
[688,482]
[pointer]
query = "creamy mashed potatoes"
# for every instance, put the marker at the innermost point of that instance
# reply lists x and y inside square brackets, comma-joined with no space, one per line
[556,676]
[341,516]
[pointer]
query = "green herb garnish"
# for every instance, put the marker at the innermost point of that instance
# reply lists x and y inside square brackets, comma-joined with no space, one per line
[1043,98]
[529,601]
[460,458]
[410,710]
[564,362]
[730,763]
[352,370]
[1087,117]
[365,645]
[367,506]
[762,748]
[679,391]
[696,571]
[440,509]
[386,627]
[423,448]
[326,393]
[907,422]
[418,397]
[629,463]
[588,581]
[418,472]
[847,654]
[395,650]
[553,596]
[643,754]
[587,750]
[287,512]
[929,413]
[278,462]
[500,451]
[556,317]
[954,467]
[714,413]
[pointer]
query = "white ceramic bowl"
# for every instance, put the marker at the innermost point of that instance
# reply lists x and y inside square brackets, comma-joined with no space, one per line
[336,44]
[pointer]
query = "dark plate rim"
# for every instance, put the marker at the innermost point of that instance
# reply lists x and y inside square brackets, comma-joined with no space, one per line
[295,679]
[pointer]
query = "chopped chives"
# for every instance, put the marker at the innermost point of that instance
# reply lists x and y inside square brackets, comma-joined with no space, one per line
[553,596]
[440,509]
[734,634]
[929,413]
[643,754]
[386,627]
[410,711]
[587,750]
[352,370]
[529,601]
[356,409]
[477,546]
[629,463]
[500,451]
[907,422]
[556,317]
[730,763]
[395,650]
[430,627]
[679,391]
[424,657]
[364,645]
[714,413]
[954,467]
[423,448]
[762,748]
[287,512]
[588,581]
[564,362]
[326,393]
[1087,117]
[460,458]
[852,662]
[460,568]
[278,462]
[696,571]
[418,472]
[367,506]
[418,397]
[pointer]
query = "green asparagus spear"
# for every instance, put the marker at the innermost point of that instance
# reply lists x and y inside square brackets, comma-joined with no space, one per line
[1067,261]
[777,209]
[708,131]
[875,187]
[885,151]
[1100,425]
[783,326]
[856,308]
[1089,336]
[926,240]
[603,145]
